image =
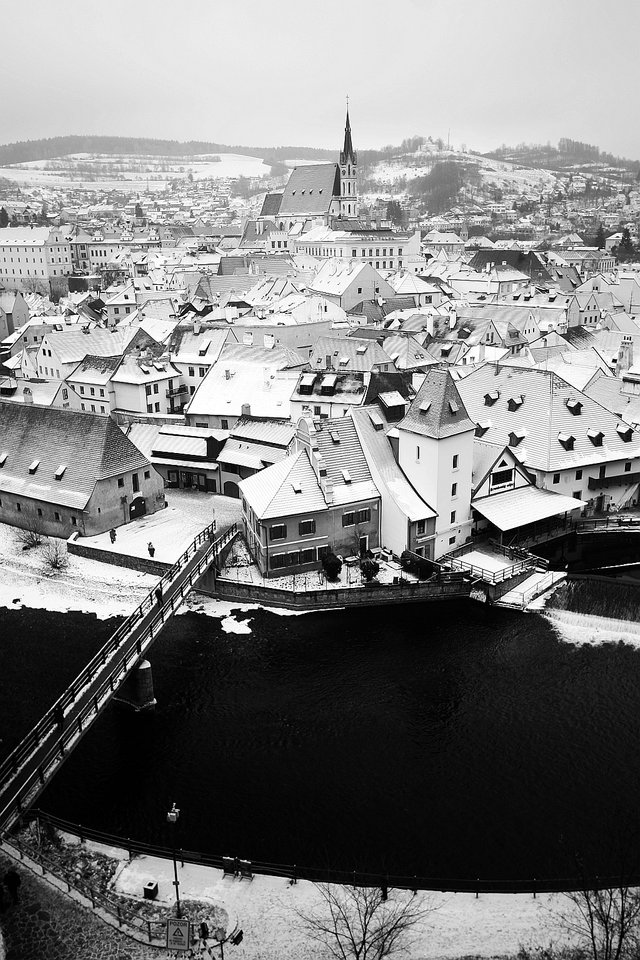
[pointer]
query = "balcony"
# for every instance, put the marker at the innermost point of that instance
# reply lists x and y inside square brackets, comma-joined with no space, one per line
[176,391]
[619,479]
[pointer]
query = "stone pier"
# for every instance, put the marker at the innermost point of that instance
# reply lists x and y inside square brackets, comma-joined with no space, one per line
[137,690]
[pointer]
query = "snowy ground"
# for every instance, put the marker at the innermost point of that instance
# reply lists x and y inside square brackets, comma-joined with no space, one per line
[493,562]
[101,588]
[265,909]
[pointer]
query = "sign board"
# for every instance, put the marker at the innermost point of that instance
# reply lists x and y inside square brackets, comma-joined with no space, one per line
[178,934]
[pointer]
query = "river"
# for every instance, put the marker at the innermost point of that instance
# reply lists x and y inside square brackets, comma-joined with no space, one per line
[452,739]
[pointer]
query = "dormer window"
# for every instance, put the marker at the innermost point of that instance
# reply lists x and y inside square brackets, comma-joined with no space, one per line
[425,406]
[514,403]
[566,440]
[59,474]
[574,406]
[346,476]
[491,398]
[517,436]
[33,466]
[296,487]
[624,431]
[482,427]
[453,407]
[596,437]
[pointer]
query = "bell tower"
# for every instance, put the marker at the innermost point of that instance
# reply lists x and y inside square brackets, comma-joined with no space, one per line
[348,170]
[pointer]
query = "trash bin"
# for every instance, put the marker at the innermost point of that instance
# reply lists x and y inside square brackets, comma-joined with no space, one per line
[151,890]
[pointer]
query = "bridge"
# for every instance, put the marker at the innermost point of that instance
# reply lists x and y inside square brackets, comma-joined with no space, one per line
[32,764]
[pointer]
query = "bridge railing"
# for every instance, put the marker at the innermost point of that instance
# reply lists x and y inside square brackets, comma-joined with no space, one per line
[119,667]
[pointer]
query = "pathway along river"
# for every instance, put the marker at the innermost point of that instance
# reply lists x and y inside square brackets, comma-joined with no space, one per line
[450,740]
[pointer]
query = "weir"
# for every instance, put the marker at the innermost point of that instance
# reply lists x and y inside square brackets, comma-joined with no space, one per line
[118,669]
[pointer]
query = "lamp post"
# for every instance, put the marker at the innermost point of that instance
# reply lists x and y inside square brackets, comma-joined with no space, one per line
[172,817]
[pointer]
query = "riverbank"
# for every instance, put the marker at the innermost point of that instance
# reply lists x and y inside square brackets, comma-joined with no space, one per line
[265,908]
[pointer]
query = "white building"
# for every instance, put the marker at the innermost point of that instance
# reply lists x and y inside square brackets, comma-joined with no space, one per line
[33,257]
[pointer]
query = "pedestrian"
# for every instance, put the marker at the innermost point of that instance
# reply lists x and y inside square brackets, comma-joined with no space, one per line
[58,715]
[12,882]
[159,595]
[151,548]
[112,535]
[204,931]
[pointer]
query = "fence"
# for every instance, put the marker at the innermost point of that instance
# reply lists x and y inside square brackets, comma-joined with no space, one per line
[113,673]
[150,931]
[526,596]
[328,874]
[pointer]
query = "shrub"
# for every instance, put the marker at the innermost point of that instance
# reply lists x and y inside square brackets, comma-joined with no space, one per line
[332,565]
[55,555]
[370,569]
[31,536]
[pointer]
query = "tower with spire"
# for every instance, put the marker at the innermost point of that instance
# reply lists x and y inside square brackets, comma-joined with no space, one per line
[348,171]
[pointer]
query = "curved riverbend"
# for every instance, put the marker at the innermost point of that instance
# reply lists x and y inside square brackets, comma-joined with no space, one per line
[451,739]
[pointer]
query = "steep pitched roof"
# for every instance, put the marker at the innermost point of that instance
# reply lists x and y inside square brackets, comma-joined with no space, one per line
[90,447]
[438,410]
[310,190]
[270,492]
[271,205]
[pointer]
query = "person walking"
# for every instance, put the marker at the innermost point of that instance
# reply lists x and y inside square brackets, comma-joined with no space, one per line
[151,548]
[112,535]
[12,883]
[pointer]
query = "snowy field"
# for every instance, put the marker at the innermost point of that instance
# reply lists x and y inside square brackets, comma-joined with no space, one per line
[230,165]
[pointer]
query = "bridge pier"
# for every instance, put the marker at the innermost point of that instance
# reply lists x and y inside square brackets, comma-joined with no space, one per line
[137,690]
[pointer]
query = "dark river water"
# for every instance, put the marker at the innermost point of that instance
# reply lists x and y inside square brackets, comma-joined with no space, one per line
[451,740]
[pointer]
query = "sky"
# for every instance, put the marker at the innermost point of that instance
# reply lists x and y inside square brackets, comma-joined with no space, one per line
[272,72]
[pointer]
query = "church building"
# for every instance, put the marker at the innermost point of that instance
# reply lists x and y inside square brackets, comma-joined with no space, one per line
[317,193]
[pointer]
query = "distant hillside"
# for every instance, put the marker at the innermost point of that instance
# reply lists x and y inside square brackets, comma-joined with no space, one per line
[25,150]
[568,154]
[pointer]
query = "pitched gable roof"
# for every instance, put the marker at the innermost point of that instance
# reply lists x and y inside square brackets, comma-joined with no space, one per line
[270,492]
[91,448]
[310,190]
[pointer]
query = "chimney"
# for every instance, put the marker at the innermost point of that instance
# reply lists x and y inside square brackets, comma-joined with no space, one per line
[246,410]
[227,374]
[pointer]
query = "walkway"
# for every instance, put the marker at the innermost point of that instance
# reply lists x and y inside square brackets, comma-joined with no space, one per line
[27,770]
[48,925]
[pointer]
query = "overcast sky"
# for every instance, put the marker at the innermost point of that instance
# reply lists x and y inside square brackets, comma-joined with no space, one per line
[268,72]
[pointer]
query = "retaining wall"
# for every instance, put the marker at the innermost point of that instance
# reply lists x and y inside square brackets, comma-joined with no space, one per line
[143,564]
[340,597]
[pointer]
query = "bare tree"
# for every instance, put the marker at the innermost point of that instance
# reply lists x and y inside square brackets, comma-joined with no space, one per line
[55,555]
[30,535]
[363,923]
[606,922]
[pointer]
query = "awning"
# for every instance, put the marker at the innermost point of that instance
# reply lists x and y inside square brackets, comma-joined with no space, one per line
[517,508]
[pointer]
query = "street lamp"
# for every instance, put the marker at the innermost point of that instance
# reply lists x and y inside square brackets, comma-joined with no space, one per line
[172,817]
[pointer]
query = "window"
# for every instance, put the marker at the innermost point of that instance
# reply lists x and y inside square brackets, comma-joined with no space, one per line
[455,461]
[147,389]
[278,532]
[120,481]
[224,424]
[316,411]
[155,388]
[578,474]
[454,489]
[278,560]
[74,521]
[363,516]
[157,408]
[305,527]
[501,476]
[202,371]
[39,512]
[19,507]
[92,391]
[627,467]
[556,478]
[56,516]
[452,540]
[81,389]
[191,371]
[417,453]
[65,393]
[307,556]
[149,408]
[453,516]
[348,519]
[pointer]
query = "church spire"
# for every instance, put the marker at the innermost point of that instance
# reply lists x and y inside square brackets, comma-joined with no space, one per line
[347,154]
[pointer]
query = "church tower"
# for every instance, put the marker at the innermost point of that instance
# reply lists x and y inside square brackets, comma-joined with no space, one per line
[348,169]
